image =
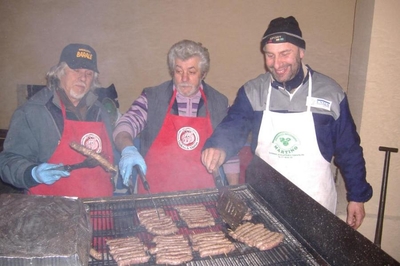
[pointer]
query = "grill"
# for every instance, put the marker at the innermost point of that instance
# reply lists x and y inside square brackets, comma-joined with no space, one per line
[313,236]
[118,219]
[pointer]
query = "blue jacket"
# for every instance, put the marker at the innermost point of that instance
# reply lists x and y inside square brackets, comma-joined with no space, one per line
[335,129]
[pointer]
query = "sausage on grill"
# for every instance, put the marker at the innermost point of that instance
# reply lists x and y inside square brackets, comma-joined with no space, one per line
[157,223]
[127,251]
[255,235]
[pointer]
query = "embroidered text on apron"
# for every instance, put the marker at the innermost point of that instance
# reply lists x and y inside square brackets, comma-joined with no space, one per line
[173,160]
[84,182]
[288,142]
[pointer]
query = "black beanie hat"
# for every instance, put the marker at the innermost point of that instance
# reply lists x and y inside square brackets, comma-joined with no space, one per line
[283,30]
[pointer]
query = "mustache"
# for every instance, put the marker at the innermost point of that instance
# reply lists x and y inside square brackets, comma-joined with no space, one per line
[82,84]
[185,85]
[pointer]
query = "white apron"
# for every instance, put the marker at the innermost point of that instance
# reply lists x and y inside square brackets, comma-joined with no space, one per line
[288,142]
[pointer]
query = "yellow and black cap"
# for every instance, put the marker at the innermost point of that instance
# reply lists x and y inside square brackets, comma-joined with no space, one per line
[283,30]
[78,55]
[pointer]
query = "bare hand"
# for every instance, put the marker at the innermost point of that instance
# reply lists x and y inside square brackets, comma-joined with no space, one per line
[212,159]
[355,214]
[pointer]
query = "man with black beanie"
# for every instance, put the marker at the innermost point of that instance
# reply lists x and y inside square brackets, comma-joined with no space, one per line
[300,120]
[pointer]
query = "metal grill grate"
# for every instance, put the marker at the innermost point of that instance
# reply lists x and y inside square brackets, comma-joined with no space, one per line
[116,218]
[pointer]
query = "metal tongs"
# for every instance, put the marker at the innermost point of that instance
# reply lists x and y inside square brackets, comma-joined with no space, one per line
[87,163]
[146,187]
[218,180]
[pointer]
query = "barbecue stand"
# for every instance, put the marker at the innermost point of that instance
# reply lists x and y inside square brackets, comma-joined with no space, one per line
[316,228]
[313,235]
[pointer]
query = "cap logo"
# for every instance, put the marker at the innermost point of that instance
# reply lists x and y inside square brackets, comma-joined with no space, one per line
[276,38]
[83,53]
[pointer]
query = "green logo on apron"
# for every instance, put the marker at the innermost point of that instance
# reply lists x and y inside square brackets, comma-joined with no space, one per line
[285,143]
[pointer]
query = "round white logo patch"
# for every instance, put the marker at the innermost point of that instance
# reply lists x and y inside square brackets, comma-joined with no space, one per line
[92,142]
[187,138]
[286,144]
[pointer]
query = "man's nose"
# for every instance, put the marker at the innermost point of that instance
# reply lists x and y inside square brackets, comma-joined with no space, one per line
[277,62]
[185,76]
[82,76]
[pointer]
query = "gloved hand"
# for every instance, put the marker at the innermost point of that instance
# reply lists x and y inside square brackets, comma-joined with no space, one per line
[129,158]
[48,173]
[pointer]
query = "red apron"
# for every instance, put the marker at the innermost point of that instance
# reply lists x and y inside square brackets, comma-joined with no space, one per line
[173,160]
[85,182]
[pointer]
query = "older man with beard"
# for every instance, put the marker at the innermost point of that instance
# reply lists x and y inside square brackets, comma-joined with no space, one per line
[41,130]
[300,120]
[173,120]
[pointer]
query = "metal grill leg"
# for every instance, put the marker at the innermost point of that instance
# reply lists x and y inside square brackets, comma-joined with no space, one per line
[381,210]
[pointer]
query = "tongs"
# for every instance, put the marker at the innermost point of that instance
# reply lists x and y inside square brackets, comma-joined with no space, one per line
[218,180]
[146,186]
[87,163]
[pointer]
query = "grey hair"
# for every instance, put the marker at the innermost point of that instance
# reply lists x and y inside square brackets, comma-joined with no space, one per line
[186,49]
[55,73]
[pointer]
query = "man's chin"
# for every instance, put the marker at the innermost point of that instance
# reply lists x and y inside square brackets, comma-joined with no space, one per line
[187,91]
[77,96]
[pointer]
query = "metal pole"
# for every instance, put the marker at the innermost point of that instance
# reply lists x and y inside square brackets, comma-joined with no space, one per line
[381,210]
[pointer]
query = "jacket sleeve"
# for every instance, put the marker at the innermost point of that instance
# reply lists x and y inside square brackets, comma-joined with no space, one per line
[19,154]
[349,156]
[231,134]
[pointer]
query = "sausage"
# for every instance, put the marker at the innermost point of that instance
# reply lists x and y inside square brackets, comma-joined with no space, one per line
[135,260]
[240,229]
[252,234]
[271,243]
[211,243]
[151,213]
[163,231]
[195,216]
[173,260]
[258,236]
[126,251]
[127,255]
[190,207]
[92,154]
[167,249]
[158,239]
[216,250]
[95,254]
[172,250]
[162,225]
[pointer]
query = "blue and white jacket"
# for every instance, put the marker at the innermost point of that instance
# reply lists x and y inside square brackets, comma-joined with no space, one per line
[335,129]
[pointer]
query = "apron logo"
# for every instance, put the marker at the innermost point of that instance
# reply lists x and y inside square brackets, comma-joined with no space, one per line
[285,144]
[187,138]
[92,142]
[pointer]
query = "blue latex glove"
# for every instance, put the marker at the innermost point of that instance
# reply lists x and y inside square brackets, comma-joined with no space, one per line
[48,173]
[129,158]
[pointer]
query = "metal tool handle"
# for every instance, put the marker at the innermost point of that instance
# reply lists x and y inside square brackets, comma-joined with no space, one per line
[218,180]
[87,163]
[381,210]
[142,177]
[68,167]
